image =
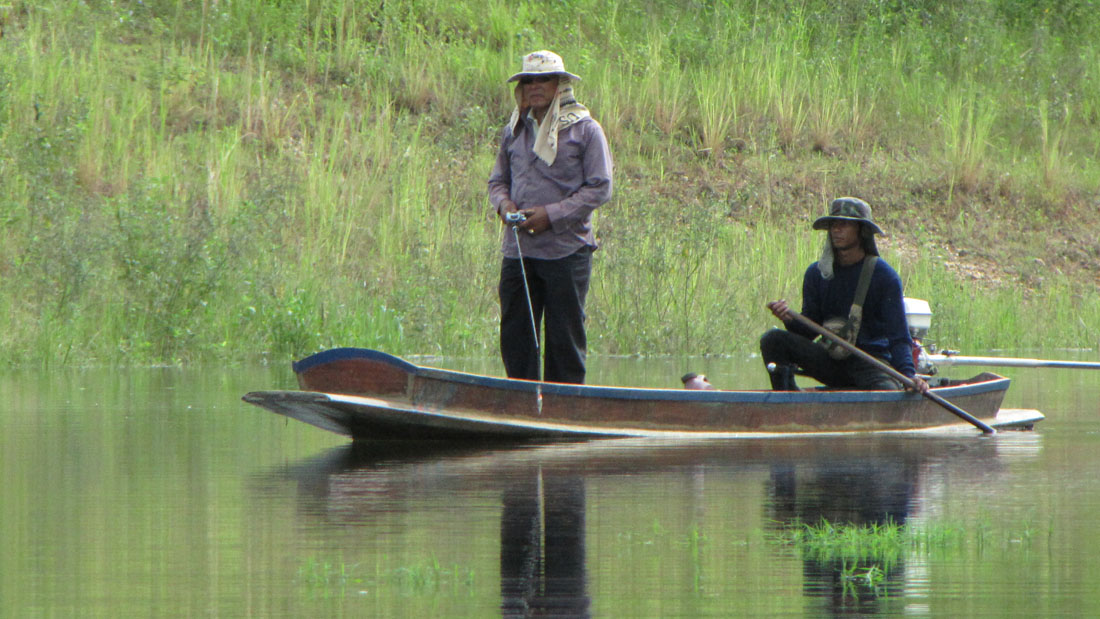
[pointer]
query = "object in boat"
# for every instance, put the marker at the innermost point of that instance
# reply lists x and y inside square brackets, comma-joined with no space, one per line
[692,380]
[367,394]
[929,360]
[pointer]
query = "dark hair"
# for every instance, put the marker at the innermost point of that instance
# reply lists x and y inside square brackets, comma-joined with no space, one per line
[867,239]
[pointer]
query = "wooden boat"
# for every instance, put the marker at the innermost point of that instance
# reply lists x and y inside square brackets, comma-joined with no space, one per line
[367,394]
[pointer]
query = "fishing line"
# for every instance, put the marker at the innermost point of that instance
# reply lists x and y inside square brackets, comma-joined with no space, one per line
[531,313]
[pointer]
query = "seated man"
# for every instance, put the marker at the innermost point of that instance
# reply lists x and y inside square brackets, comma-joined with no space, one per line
[829,295]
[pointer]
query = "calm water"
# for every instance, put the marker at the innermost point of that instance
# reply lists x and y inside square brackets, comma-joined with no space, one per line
[142,493]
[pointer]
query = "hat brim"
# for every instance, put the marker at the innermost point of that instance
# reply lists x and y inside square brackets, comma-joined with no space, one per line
[822,223]
[522,75]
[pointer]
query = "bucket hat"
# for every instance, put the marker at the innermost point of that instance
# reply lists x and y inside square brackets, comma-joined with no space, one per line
[848,209]
[542,63]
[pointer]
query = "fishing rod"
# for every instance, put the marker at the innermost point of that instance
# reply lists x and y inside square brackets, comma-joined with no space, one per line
[516,218]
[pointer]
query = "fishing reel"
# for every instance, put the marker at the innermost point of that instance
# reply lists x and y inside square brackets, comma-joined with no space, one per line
[515,218]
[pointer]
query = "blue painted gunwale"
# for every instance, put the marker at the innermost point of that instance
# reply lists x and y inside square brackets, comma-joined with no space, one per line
[996,383]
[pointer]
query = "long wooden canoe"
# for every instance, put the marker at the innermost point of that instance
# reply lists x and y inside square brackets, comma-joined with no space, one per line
[367,394]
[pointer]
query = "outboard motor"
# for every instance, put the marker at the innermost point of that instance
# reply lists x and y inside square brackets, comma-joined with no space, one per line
[919,316]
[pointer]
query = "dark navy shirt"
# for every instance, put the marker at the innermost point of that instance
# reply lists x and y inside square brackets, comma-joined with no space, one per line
[884,332]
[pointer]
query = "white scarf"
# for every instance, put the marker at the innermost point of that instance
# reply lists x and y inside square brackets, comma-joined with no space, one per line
[563,112]
[825,262]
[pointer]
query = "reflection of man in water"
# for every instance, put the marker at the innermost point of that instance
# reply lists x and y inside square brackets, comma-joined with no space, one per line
[857,492]
[542,558]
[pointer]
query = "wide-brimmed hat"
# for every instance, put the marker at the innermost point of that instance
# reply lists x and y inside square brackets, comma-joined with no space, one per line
[848,209]
[542,63]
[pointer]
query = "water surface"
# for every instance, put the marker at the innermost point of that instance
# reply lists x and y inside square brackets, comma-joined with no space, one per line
[158,492]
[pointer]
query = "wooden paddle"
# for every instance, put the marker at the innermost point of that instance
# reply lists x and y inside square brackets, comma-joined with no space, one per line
[905,380]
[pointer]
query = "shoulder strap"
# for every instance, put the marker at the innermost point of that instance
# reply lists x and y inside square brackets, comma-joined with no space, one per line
[864,281]
[855,315]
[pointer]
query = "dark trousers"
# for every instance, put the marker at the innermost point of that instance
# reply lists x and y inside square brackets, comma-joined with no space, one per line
[558,290]
[789,350]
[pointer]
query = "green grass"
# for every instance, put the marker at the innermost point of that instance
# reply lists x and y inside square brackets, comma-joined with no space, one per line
[218,181]
[827,541]
[865,554]
[886,543]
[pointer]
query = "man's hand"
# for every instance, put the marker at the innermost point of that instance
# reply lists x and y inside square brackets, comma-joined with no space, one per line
[537,220]
[919,386]
[507,206]
[781,311]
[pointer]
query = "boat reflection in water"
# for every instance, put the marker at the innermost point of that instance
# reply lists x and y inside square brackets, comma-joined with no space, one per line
[545,492]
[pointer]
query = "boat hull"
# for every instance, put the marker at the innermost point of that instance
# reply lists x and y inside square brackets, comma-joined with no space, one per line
[367,394]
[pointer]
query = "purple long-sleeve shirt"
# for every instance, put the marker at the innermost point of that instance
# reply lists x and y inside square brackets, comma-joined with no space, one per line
[577,183]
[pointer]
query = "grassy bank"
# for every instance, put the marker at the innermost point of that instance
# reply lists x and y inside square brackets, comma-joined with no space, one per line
[221,180]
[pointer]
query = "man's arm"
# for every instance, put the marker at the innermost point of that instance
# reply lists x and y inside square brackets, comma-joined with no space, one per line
[811,305]
[500,179]
[892,313]
[596,188]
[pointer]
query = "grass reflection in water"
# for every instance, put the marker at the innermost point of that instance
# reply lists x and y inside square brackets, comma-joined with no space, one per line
[326,579]
[866,553]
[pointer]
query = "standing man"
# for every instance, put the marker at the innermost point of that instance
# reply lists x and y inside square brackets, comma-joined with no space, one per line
[554,167]
[831,291]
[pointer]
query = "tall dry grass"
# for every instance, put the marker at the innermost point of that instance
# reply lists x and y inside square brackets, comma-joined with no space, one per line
[222,180]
